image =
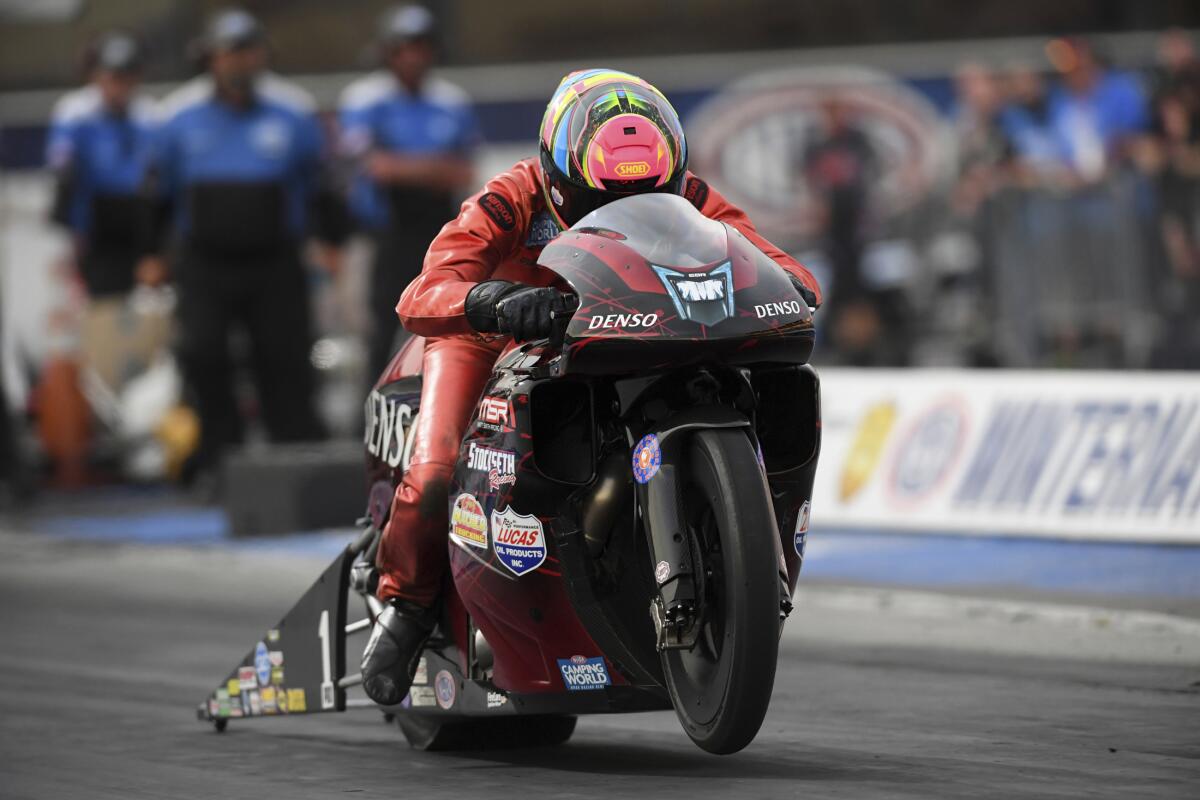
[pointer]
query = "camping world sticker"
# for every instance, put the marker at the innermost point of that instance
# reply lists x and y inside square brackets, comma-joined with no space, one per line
[518,541]
[581,674]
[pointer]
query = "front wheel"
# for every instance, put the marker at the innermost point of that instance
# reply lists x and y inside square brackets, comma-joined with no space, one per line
[722,686]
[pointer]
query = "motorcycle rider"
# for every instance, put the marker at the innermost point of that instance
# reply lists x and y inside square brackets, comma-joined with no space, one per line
[605,134]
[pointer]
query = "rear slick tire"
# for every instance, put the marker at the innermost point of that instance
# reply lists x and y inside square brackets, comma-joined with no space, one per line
[722,687]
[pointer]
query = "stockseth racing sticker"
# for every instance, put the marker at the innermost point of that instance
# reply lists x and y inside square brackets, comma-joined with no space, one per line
[499,465]
[518,541]
[583,674]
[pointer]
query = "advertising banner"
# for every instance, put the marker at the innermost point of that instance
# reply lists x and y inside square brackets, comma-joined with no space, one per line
[1106,456]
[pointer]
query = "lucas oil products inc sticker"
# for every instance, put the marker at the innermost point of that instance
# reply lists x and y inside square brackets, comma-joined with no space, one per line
[518,541]
[467,522]
[583,674]
[647,458]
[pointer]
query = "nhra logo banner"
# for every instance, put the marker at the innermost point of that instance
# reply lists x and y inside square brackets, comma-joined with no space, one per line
[736,139]
[1093,456]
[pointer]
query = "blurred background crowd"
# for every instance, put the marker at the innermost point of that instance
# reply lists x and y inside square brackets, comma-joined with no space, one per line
[208,213]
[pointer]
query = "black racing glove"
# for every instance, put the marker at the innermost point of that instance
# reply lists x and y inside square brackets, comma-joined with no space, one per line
[524,312]
[809,296]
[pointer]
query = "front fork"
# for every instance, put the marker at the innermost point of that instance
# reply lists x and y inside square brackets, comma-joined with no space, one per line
[673,608]
[677,606]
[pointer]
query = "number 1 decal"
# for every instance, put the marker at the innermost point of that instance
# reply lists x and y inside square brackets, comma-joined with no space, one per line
[327,697]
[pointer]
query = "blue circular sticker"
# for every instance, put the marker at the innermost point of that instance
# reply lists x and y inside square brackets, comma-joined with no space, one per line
[444,689]
[262,663]
[647,458]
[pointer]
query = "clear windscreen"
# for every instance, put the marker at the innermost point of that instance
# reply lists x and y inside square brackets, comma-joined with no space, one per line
[665,229]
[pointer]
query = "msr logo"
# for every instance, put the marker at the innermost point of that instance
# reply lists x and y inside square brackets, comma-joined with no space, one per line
[495,413]
[632,169]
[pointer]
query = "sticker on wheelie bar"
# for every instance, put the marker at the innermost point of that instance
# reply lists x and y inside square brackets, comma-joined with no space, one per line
[647,458]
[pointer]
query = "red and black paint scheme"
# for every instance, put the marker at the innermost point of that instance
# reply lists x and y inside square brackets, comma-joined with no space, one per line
[577,554]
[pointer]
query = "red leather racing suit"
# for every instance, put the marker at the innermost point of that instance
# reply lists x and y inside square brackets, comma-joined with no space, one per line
[497,235]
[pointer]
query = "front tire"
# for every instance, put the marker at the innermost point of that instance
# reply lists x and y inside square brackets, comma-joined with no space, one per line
[721,687]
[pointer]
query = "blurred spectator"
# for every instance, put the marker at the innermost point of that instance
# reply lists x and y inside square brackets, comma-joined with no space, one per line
[1030,142]
[1178,70]
[976,116]
[1095,111]
[98,144]
[98,147]
[980,141]
[411,138]
[1176,162]
[841,167]
[238,173]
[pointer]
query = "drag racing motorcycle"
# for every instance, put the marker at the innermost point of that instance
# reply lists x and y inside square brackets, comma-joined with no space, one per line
[627,517]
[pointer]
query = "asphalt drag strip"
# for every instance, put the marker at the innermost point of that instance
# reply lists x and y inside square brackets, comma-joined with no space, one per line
[879,693]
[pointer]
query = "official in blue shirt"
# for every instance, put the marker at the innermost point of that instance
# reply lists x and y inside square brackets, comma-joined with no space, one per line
[98,145]
[1096,111]
[237,171]
[411,138]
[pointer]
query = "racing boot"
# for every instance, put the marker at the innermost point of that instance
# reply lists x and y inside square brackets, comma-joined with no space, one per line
[390,660]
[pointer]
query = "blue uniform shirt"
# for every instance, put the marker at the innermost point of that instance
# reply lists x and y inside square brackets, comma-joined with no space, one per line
[376,112]
[203,142]
[104,153]
[1088,126]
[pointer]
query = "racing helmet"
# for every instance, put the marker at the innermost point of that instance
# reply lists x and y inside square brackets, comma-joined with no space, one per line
[607,134]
